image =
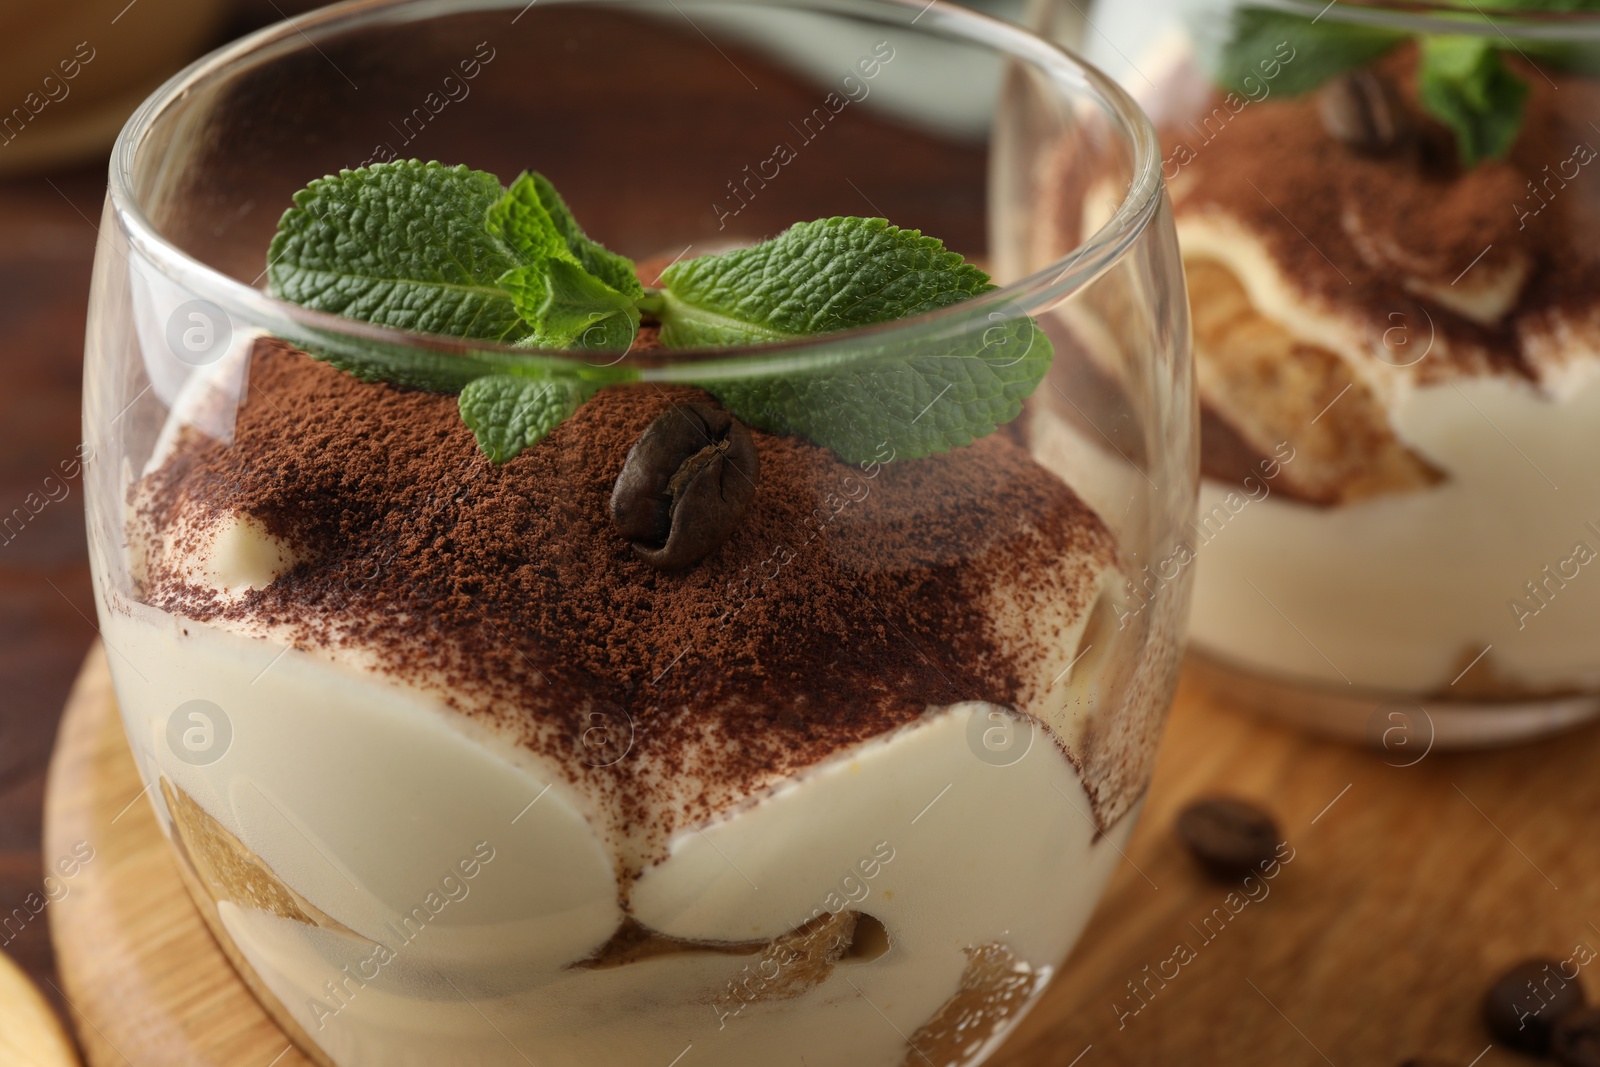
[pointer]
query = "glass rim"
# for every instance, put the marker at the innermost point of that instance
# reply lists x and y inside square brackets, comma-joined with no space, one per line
[1488,18]
[1042,288]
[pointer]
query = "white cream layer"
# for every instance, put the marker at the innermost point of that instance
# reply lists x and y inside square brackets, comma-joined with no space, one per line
[371,799]
[366,798]
[1400,591]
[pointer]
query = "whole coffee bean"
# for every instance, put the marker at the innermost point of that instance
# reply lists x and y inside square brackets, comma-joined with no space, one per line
[1231,838]
[1575,1038]
[685,484]
[1523,1004]
[1362,110]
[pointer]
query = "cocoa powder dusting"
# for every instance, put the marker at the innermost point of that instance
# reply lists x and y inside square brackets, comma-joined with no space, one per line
[1348,228]
[848,601]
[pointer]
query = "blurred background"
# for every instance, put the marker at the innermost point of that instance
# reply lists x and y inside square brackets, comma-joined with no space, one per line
[70,75]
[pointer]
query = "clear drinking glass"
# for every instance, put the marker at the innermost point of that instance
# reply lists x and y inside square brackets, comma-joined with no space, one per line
[455,778]
[1389,222]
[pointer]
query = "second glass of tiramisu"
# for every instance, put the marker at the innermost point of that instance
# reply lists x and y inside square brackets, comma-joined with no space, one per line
[1390,221]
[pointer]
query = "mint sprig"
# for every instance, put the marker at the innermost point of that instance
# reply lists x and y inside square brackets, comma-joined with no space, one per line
[839,273]
[1462,80]
[919,402]
[403,245]
[446,250]
[1319,51]
[815,277]
[571,290]
[507,414]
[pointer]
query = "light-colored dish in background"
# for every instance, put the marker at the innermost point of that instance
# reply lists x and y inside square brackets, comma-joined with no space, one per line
[71,74]
[30,1033]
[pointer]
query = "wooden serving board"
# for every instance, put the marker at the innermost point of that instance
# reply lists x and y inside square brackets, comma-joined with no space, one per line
[1409,888]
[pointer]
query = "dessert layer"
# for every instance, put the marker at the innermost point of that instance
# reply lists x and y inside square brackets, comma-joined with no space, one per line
[361,522]
[1319,271]
[1262,386]
[1418,344]
[1402,591]
[1342,247]
[434,879]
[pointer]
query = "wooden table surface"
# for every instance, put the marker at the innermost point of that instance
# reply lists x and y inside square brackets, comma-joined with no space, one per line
[46,250]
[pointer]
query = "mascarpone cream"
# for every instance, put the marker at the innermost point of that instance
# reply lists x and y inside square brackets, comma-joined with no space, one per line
[413,881]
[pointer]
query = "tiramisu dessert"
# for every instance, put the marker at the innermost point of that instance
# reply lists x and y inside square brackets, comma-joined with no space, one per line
[1393,264]
[615,718]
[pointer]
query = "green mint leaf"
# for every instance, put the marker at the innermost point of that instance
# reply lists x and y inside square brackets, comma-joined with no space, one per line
[446,250]
[573,309]
[1292,54]
[1464,84]
[508,414]
[908,402]
[615,270]
[399,244]
[1500,21]
[573,292]
[915,397]
[533,220]
[815,277]
[521,222]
